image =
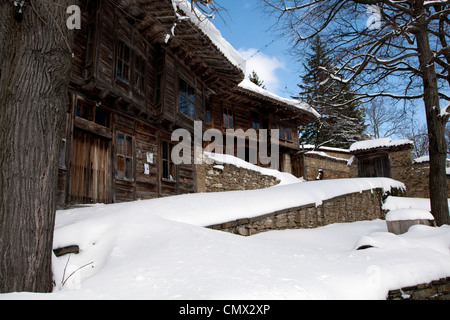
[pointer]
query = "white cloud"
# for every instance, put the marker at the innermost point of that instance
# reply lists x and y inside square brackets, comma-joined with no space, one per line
[265,66]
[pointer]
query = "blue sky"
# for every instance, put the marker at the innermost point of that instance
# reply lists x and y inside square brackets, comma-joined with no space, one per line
[245,26]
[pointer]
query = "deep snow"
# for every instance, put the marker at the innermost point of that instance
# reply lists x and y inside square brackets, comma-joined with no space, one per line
[159,249]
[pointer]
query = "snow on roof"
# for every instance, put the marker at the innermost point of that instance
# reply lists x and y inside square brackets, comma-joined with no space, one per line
[425,159]
[325,155]
[200,20]
[250,86]
[396,203]
[422,159]
[378,143]
[324,148]
[409,214]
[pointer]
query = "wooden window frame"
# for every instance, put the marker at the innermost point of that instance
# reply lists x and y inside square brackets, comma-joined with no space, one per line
[85,109]
[289,135]
[228,114]
[208,113]
[139,71]
[123,62]
[93,112]
[168,168]
[127,154]
[186,93]
[256,120]
[285,133]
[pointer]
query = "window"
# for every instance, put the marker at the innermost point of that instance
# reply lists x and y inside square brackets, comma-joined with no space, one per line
[281,132]
[186,102]
[168,167]
[208,113]
[90,111]
[124,156]
[103,117]
[289,134]
[228,118]
[285,133]
[256,120]
[123,62]
[139,73]
[85,110]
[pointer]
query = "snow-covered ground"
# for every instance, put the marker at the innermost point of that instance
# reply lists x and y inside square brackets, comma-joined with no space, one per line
[159,249]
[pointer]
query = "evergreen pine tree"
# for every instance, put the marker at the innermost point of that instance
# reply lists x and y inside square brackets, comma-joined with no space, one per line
[342,121]
[255,79]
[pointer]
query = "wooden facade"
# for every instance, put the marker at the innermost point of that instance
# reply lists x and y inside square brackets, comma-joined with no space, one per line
[244,108]
[131,87]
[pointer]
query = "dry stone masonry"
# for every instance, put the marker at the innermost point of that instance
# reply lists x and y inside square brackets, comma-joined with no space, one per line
[436,290]
[227,177]
[346,208]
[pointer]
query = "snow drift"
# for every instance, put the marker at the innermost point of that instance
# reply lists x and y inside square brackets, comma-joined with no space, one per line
[158,249]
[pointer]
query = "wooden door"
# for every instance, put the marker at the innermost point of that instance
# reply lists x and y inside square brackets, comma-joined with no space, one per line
[90,172]
[298,165]
[374,166]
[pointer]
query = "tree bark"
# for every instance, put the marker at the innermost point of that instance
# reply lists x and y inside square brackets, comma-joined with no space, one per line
[35,63]
[436,128]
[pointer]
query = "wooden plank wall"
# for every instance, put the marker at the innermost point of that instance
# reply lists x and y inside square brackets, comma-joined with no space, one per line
[146,142]
[243,119]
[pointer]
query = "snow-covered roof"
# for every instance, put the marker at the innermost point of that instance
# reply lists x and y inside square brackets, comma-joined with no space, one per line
[324,148]
[327,156]
[250,86]
[379,143]
[422,159]
[208,28]
[408,214]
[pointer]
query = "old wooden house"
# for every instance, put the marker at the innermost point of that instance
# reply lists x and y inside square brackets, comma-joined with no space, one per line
[247,106]
[140,71]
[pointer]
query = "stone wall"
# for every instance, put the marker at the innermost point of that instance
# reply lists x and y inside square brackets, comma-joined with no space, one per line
[332,168]
[227,177]
[415,176]
[436,290]
[346,208]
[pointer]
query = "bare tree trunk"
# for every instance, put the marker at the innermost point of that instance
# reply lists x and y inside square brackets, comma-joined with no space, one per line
[436,131]
[35,63]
